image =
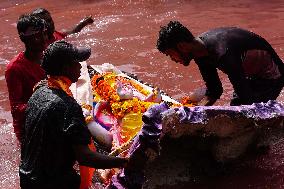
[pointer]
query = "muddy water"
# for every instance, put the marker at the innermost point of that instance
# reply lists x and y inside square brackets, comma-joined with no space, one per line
[124,34]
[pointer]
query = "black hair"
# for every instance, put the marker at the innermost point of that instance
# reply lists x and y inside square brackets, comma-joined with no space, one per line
[172,34]
[61,54]
[45,15]
[55,57]
[40,11]
[25,21]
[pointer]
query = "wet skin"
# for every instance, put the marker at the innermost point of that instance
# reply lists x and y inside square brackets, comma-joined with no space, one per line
[35,39]
[179,57]
[72,71]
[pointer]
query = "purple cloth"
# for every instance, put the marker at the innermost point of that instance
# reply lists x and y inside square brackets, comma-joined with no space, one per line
[256,111]
[189,120]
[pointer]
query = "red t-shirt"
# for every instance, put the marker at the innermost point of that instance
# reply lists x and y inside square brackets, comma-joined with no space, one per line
[21,76]
[57,36]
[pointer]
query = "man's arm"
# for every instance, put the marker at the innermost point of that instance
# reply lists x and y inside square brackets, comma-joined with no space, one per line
[212,82]
[93,159]
[84,22]
[78,136]
[18,105]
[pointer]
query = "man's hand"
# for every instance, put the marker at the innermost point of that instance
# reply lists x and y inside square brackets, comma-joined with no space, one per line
[89,158]
[197,95]
[84,22]
[87,20]
[207,101]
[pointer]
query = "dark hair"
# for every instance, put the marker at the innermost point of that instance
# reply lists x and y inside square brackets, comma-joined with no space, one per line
[25,21]
[53,59]
[45,15]
[172,34]
[40,11]
[60,54]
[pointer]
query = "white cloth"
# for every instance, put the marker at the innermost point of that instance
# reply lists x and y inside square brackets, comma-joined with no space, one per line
[82,89]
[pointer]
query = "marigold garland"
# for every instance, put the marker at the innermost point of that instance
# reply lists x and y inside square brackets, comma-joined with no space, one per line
[60,82]
[121,108]
[104,86]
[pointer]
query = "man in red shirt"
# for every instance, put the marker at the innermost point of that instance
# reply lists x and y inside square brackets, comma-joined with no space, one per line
[54,35]
[24,71]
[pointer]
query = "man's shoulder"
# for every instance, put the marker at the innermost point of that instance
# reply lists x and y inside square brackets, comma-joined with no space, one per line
[47,93]
[14,67]
[219,40]
[59,35]
[225,30]
[53,97]
[226,33]
[15,63]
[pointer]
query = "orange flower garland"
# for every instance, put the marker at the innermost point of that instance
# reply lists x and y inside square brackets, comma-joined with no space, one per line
[121,108]
[105,87]
[60,82]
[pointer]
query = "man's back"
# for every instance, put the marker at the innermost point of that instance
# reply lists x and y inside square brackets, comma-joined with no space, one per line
[233,40]
[54,123]
[243,56]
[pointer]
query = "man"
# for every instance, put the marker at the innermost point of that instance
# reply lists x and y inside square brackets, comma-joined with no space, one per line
[253,67]
[54,35]
[56,134]
[24,71]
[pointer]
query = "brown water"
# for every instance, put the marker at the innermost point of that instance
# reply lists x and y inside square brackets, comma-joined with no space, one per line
[124,34]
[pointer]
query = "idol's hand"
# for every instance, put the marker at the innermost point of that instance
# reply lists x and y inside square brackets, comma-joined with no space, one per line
[157,95]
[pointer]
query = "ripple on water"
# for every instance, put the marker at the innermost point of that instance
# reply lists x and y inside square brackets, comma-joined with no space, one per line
[5,117]
[130,68]
[3,61]
[9,157]
[103,22]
